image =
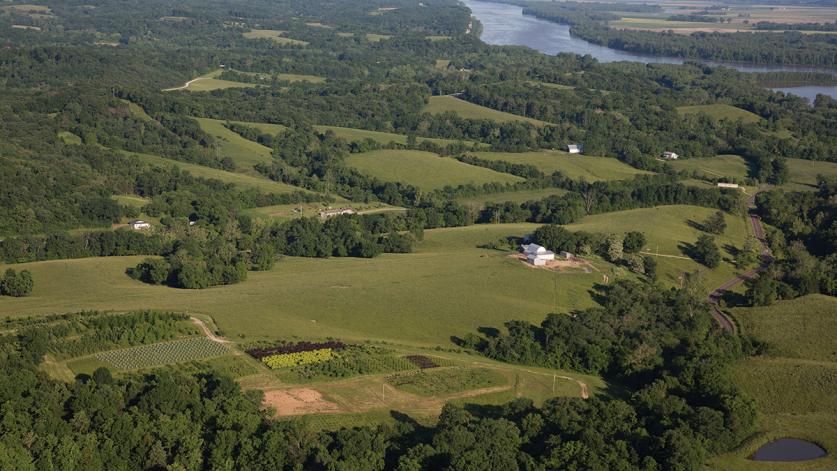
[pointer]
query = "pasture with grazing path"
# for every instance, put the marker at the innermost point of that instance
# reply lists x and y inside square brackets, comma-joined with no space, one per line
[468,110]
[425,170]
[802,173]
[574,166]
[793,381]
[668,231]
[244,152]
[354,134]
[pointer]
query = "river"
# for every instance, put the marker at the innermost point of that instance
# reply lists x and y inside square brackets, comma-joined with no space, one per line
[506,25]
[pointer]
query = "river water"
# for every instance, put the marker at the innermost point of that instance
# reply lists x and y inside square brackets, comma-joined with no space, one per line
[506,25]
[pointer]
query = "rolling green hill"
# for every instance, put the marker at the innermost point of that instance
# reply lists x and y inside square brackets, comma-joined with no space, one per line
[571,165]
[441,104]
[423,169]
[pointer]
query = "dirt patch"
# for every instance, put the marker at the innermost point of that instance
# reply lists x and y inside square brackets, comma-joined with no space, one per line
[298,401]
[572,265]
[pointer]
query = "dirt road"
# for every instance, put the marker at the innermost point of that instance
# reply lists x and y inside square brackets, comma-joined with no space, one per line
[208,332]
[721,318]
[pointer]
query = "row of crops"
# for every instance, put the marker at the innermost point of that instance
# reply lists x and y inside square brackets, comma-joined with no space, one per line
[286,360]
[147,356]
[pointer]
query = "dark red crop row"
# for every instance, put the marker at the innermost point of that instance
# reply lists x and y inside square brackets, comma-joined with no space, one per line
[294,348]
[421,361]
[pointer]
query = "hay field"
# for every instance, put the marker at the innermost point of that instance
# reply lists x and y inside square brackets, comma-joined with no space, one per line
[467,110]
[571,165]
[425,170]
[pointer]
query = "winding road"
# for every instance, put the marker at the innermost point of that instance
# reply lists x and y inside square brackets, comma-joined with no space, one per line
[723,319]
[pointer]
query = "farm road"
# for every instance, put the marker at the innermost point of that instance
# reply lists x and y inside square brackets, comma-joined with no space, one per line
[724,320]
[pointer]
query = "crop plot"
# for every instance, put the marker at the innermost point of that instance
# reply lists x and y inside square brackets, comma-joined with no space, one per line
[158,354]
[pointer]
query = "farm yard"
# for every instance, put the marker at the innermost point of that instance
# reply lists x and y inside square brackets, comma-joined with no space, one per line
[425,170]
[571,165]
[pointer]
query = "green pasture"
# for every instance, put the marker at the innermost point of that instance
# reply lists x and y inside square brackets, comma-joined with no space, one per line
[522,196]
[131,200]
[437,381]
[657,24]
[425,170]
[467,110]
[137,111]
[667,230]
[274,35]
[720,111]
[209,82]
[803,173]
[793,382]
[354,134]
[244,152]
[448,286]
[238,179]
[571,165]
[374,38]
[267,128]
[714,167]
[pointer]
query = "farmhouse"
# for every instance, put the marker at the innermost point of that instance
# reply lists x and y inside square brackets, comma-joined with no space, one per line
[139,224]
[327,213]
[668,155]
[537,254]
[574,148]
[727,185]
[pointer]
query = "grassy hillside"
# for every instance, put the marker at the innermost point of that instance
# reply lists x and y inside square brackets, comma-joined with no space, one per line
[354,134]
[572,165]
[276,36]
[515,196]
[793,382]
[668,231]
[441,104]
[423,169]
[447,287]
[803,173]
[715,167]
[720,111]
[283,212]
[245,153]
[244,181]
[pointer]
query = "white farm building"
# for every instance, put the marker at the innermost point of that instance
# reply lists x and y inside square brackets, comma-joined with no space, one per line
[574,148]
[537,254]
[668,155]
[139,224]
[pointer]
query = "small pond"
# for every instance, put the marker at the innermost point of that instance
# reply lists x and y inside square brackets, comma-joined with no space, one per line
[788,449]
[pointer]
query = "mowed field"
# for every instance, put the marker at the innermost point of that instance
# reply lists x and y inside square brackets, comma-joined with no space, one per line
[793,383]
[720,111]
[571,165]
[425,170]
[668,233]
[467,110]
[448,286]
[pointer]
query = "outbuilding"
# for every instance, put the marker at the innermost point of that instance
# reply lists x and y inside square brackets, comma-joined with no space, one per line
[574,148]
[668,155]
[139,224]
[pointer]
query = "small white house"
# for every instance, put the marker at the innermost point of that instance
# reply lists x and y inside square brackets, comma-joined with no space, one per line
[727,185]
[668,155]
[139,224]
[574,148]
[566,255]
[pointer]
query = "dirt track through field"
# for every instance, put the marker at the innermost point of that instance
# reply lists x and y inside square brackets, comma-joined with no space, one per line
[724,320]
[206,330]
